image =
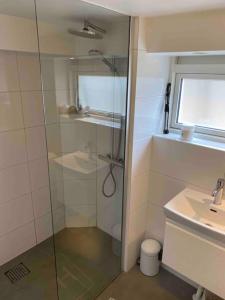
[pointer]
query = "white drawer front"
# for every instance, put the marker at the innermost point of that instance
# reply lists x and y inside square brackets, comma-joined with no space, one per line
[195,257]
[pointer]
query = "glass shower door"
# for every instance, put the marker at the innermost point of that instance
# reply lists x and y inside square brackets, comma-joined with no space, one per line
[27,262]
[84,62]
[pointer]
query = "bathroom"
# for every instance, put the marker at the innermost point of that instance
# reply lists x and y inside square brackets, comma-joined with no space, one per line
[108,137]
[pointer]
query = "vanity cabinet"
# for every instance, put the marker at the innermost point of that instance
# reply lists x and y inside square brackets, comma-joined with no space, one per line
[195,256]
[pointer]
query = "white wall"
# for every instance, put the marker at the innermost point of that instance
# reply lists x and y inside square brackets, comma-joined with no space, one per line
[85,205]
[159,167]
[150,76]
[20,34]
[24,183]
[187,32]
[174,166]
[24,189]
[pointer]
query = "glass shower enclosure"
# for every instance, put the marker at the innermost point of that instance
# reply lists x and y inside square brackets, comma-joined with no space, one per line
[71,60]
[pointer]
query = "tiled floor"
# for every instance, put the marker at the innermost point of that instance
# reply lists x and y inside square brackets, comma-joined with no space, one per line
[85,263]
[85,266]
[135,286]
[40,283]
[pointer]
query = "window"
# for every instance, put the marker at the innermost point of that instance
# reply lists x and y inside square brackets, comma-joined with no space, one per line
[199,99]
[103,93]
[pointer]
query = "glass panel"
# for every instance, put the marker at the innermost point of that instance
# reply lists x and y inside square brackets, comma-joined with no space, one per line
[97,92]
[27,262]
[84,77]
[201,102]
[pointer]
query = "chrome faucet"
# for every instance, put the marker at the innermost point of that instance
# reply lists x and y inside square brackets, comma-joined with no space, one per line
[217,193]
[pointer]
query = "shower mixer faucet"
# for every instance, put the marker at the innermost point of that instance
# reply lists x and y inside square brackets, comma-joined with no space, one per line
[217,193]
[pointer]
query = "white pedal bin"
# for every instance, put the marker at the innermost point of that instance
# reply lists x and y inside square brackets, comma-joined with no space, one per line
[149,264]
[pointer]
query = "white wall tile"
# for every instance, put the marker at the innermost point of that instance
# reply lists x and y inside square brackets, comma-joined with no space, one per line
[137,225]
[36,142]
[150,83]
[19,110]
[77,136]
[133,252]
[79,192]
[163,188]
[14,182]
[32,108]
[9,80]
[141,156]
[156,222]
[109,210]
[104,139]
[140,191]
[61,68]
[38,173]
[196,165]
[15,213]
[47,73]
[56,171]
[41,201]
[68,141]
[152,74]
[17,242]
[86,65]
[149,116]
[79,216]
[59,219]
[10,111]
[43,226]
[62,97]
[53,138]
[12,148]
[29,72]
[57,194]
[51,109]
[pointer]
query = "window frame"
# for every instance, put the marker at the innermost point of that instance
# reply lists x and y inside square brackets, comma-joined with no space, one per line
[199,72]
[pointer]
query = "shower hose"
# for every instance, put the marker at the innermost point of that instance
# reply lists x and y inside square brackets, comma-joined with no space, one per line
[110,174]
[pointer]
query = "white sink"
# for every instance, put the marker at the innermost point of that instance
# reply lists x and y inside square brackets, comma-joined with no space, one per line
[81,162]
[195,210]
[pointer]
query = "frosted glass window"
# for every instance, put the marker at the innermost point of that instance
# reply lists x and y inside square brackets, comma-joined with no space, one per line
[202,102]
[103,93]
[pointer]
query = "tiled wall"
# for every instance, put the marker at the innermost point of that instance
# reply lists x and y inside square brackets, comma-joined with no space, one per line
[160,167]
[78,196]
[25,218]
[174,166]
[148,89]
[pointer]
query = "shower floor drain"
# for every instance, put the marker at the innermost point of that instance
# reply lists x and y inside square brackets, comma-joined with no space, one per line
[17,273]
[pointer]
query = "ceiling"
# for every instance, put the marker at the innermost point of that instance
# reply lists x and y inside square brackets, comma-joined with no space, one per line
[158,7]
[58,10]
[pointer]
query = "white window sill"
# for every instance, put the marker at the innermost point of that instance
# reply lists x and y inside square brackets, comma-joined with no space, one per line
[107,122]
[195,141]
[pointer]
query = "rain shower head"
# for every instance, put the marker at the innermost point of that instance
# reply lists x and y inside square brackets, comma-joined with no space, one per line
[89,31]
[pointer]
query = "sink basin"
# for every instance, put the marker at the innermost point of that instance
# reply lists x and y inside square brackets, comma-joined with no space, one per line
[196,210]
[80,162]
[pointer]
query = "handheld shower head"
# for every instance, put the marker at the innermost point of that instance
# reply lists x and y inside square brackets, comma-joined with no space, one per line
[95,52]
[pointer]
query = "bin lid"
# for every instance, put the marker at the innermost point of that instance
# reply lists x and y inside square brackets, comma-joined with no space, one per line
[150,247]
